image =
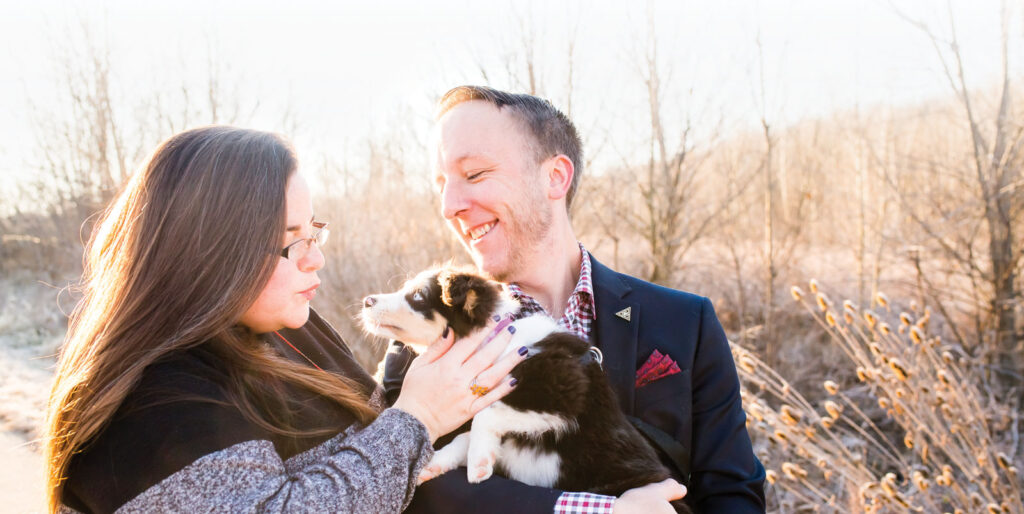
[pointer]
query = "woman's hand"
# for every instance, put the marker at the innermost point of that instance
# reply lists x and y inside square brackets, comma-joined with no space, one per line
[650,499]
[437,388]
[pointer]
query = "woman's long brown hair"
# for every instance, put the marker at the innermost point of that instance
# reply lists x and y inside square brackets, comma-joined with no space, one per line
[179,255]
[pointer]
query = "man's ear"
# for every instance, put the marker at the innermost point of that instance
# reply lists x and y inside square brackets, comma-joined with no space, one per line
[559,170]
[467,292]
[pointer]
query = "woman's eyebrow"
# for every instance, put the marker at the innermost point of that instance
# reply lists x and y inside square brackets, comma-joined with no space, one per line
[296,228]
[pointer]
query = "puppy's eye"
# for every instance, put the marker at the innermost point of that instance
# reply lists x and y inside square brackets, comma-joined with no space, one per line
[417,296]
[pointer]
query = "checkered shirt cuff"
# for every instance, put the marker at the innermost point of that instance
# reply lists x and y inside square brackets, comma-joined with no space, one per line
[584,503]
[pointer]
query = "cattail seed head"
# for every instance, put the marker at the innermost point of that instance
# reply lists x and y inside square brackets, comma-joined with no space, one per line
[850,307]
[884,328]
[875,348]
[831,387]
[830,318]
[882,300]
[868,490]
[827,423]
[1003,460]
[923,321]
[847,317]
[823,302]
[888,485]
[905,318]
[948,358]
[945,378]
[748,364]
[976,499]
[916,335]
[771,476]
[797,293]
[908,440]
[870,318]
[834,409]
[863,374]
[898,368]
[814,286]
[794,471]
[1012,472]
[920,481]
[993,508]
[789,415]
[884,403]
[781,436]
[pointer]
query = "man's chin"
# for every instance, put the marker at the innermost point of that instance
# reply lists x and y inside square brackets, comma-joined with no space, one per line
[491,269]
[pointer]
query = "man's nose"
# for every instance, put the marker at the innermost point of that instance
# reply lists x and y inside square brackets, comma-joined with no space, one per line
[453,200]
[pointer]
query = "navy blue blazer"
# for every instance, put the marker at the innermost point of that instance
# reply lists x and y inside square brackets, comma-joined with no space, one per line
[700,407]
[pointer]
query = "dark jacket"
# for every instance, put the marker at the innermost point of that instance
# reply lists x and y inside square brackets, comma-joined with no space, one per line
[700,407]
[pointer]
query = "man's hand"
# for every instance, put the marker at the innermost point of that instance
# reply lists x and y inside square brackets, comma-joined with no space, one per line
[650,499]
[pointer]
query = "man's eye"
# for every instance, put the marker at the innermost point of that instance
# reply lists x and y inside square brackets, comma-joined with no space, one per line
[476,175]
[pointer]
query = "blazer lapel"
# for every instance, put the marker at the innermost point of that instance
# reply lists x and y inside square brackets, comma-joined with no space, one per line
[615,335]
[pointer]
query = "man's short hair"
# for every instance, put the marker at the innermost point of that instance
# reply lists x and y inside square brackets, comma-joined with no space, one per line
[552,132]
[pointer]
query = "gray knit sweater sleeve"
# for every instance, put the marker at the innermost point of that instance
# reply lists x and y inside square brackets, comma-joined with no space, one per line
[372,470]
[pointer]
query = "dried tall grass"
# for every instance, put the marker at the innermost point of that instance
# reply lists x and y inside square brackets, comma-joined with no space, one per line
[928,446]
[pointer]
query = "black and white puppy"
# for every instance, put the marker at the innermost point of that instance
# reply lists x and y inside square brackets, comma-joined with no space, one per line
[560,427]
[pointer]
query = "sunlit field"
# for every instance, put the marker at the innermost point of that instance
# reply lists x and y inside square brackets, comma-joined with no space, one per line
[861,236]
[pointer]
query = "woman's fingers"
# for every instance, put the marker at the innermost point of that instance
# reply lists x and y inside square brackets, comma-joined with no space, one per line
[465,347]
[669,489]
[494,374]
[437,348]
[489,352]
[496,393]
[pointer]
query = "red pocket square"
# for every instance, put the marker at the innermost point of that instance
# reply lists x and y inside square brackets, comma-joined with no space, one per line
[658,365]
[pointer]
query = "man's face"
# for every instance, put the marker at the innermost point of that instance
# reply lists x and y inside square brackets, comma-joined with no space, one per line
[493,192]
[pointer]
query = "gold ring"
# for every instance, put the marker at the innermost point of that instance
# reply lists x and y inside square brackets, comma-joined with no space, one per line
[478,390]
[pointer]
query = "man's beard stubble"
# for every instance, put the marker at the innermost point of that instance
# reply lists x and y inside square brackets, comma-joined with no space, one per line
[529,226]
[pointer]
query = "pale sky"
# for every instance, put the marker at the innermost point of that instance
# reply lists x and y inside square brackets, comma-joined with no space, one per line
[351,69]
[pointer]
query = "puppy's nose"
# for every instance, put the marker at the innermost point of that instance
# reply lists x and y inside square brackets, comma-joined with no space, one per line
[369,301]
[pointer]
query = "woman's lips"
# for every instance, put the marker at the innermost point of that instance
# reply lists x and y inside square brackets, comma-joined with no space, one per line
[310,293]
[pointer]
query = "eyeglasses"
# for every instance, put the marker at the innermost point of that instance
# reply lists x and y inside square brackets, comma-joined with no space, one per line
[298,249]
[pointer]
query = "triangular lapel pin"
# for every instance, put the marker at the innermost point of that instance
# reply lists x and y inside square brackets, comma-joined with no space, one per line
[624,313]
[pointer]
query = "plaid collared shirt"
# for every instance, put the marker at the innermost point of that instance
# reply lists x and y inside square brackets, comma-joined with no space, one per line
[579,314]
[578,318]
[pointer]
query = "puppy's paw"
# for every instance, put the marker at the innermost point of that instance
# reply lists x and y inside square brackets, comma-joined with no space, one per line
[481,470]
[430,472]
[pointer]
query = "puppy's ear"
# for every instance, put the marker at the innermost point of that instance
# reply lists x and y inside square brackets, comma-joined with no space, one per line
[468,292]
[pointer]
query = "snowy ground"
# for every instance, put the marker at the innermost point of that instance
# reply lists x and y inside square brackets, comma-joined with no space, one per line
[29,337]
[21,475]
[24,385]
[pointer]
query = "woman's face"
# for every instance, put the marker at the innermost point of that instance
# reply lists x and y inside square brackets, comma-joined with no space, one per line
[284,302]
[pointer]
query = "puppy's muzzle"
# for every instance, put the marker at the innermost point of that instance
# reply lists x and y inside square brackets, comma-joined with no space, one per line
[369,301]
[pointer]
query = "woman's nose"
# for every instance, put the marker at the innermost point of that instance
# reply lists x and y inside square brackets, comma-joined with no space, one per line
[313,260]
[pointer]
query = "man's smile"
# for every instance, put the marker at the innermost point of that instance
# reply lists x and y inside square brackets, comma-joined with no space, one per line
[480,231]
